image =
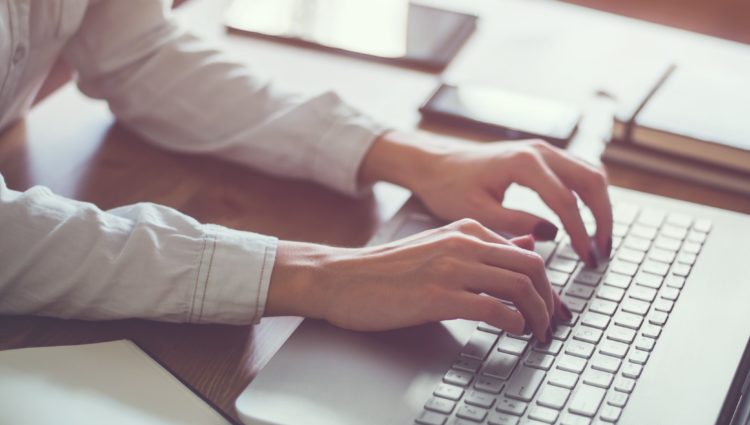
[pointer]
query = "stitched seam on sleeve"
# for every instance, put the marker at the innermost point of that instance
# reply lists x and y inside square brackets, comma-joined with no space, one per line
[208,278]
[197,279]
[260,284]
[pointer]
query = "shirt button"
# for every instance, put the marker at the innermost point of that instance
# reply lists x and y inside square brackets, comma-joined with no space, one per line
[19,54]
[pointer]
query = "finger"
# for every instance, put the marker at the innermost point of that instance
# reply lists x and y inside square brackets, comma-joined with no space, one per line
[515,287]
[489,310]
[517,222]
[591,186]
[526,242]
[519,260]
[474,228]
[536,175]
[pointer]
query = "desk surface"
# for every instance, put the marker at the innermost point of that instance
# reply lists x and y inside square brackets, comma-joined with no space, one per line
[71,144]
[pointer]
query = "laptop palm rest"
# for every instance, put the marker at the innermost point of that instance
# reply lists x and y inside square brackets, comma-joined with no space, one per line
[322,359]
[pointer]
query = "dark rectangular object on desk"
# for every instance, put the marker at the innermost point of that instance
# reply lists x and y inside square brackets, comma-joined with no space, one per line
[493,112]
[430,38]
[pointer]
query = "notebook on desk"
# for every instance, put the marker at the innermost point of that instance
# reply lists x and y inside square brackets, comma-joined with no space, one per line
[110,382]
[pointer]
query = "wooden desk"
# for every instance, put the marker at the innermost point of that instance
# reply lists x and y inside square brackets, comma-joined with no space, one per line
[71,145]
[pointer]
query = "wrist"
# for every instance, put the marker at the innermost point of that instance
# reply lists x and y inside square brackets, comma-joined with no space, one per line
[297,286]
[402,158]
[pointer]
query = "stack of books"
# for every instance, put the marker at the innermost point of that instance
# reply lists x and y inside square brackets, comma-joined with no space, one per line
[693,123]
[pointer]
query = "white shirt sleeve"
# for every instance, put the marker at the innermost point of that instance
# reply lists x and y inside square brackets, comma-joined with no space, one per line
[69,259]
[183,95]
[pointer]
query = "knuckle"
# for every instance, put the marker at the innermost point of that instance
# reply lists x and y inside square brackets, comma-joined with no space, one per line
[524,286]
[536,262]
[539,144]
[468,225]
[527,157]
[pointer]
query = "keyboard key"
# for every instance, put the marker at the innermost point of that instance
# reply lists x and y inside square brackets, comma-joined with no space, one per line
[605,363]
[510,406]
[524,383]
[574,304]
[500,365]
[580,291]
[539,360]
[573,419]
[645,343]
[655,267]
[628,320]
[580,349]
[563,264]
[663,305]
[657,318]
[571,364]
[448,391]
[566,251]
[632,305]
[645,232]
[696,237]
[648,280]
[553,347]
[685,258]
[484,327]
[557,278]
[610,293]
[617,280]
[662,255]
[620,334]
[497,418]
[588,334]
[586,400]
[623,267]
[543,414]
[617,399]
[702,225]
[479,345]
[480,399]
[457,377]
[610,413]
[561,333]
[624,213]
[595,320]
[638,357]
[691,247]
[603,306]
[467,364]
[588,277]
[674,232]
[431,418]
[631,255]
[624,384]
[632,370]
[472,413]
[651,331]
[598,378]
[642,293]
[490,385]
[676,282]
[545,249]
[512,345]
[636,243]
[562,379]
[440,405]
[613,348]
[681,270]
[619,229]
[666,243]
[680,220]
[570,322]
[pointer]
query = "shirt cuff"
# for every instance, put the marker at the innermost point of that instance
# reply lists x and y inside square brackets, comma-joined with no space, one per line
[343,146]
[234,273]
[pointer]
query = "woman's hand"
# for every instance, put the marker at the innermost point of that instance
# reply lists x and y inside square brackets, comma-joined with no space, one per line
[470,179]
[435,275]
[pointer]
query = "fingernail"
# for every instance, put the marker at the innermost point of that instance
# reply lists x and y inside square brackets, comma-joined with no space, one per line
[548,335]
[526,329]
[609,247]
[592,260]
[545,231]
[567,315]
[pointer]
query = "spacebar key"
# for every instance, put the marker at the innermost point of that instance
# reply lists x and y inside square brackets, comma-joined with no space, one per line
[586,400]
[524,383]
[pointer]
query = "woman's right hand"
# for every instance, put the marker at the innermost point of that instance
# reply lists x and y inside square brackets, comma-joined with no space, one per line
[461,270]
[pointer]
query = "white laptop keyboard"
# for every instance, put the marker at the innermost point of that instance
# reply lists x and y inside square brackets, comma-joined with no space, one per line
[586,374]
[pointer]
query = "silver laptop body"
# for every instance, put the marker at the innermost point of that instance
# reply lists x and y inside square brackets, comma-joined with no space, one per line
[327,376]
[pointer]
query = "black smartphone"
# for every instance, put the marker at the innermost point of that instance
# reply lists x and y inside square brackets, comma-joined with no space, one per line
[493,112]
